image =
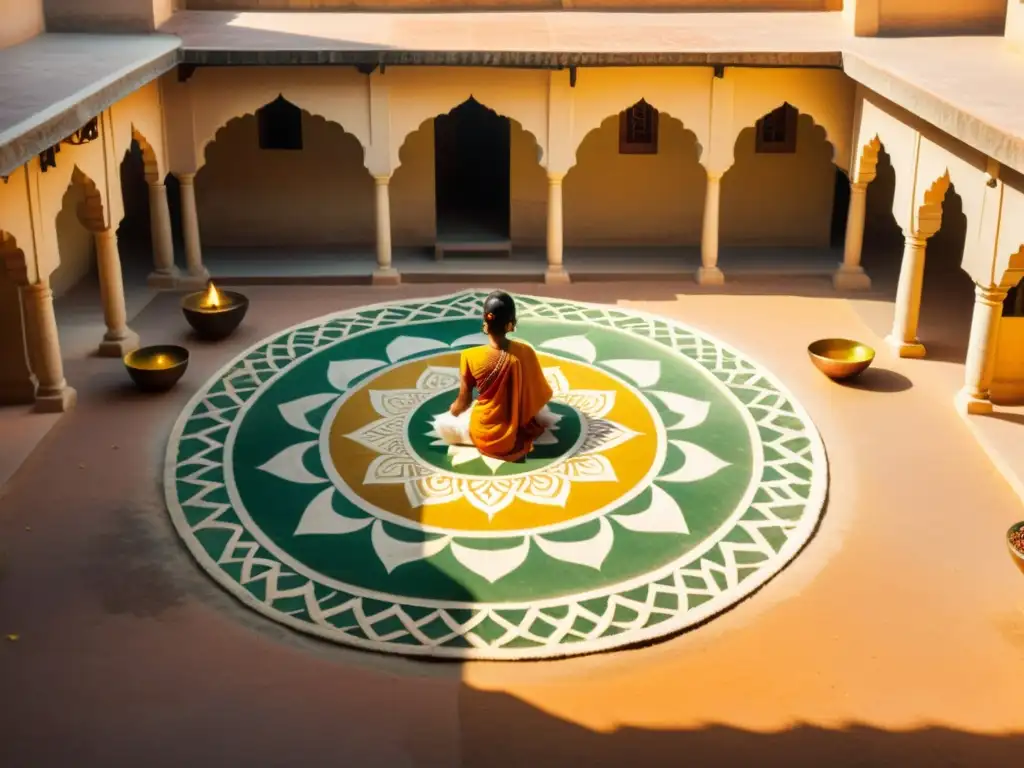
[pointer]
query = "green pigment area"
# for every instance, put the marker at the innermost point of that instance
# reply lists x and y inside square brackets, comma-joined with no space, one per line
[276,506]
[567,432]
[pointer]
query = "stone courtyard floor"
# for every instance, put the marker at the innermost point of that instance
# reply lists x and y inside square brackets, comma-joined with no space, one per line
[895,638]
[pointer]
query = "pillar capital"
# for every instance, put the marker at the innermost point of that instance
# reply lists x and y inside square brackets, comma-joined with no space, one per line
[40,291]
[858,187]
[916,240]
[156,184]
[556,177]
[381,179]
[990,295]
[715,175]
[186,178]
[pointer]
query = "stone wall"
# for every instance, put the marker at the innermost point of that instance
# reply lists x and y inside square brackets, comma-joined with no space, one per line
[322,195]
[1015,22]
[107,15]
[916,17]
[508,5]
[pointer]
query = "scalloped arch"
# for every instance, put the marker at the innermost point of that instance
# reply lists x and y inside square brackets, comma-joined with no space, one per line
[616,115]
[755,104]
[928,210]
[150,159]
[865,165]
[1010,271]
[800,113]
[255,102]
[90,210]
[396,158]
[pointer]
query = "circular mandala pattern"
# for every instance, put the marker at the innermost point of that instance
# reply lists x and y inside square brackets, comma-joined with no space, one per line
[307,478]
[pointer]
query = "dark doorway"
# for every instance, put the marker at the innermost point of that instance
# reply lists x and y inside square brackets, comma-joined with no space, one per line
[840,208]
[472,175]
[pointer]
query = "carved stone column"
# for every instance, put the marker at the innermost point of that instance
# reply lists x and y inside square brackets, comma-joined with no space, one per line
[555,273]
[903,337]
[981,351]
[119,339]
[53,395]
[17,384]
[165,273]
[709,272]
[851,276]
[385,274]
[197,273]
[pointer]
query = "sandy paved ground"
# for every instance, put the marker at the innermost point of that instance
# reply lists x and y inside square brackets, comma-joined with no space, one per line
[896,638]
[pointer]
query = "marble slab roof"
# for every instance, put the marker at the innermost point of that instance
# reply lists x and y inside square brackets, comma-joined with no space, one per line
[969,87]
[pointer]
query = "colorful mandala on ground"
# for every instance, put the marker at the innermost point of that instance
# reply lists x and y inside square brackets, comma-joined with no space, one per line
[307,478]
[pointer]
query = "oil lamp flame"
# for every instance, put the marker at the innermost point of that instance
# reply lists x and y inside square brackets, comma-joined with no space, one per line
[212,297]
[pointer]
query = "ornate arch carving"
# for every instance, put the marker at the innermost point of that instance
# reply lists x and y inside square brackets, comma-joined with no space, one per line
[662,116]
[259,100]
[865,165]
[90,209]
[150,161]
[397,159]
[928,214]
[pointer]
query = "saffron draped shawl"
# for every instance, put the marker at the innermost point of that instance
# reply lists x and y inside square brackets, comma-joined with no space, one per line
[511,390]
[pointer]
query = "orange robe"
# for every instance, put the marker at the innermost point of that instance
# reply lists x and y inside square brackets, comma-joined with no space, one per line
[512,391]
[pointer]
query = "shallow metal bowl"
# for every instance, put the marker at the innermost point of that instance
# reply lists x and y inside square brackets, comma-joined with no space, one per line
[214,323]
[840,358]
[1016,555]
[156,368]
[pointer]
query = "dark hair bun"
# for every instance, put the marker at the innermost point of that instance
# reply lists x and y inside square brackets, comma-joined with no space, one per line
[499,311]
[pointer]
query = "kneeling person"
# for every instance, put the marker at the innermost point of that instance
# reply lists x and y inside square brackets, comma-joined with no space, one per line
[510,410]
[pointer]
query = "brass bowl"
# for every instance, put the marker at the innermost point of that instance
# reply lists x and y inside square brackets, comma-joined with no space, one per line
[1016,555]
[215,323]
[840,359]
[156,368]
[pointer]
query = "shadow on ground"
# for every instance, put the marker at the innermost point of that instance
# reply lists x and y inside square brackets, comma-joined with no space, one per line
[529,737]
[880,380]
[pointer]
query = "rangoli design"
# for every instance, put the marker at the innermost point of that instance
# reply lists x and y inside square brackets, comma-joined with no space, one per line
[307,479]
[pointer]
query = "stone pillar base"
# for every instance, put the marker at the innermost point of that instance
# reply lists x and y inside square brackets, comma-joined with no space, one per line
[387,276]
[119,347]
[190,282]
[58,402]
[710,276]
[557,276]
[851,279]
[910,349]
[161,280]
[969,404]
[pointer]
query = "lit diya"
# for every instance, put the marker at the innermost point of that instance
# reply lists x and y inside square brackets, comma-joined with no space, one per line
[214,314]
[156,368]
[1015,541]
[840,359]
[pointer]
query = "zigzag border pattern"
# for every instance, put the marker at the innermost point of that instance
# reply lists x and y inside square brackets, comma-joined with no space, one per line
[779,521]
